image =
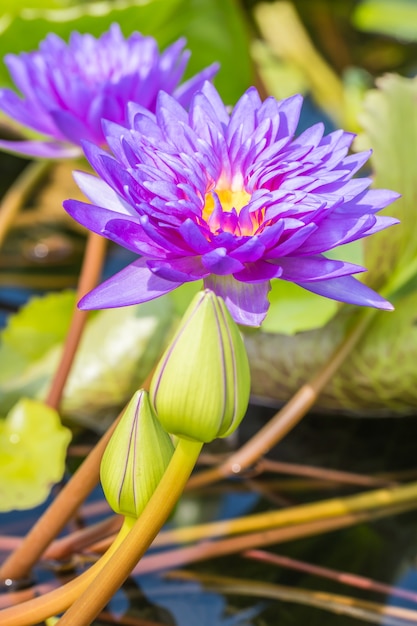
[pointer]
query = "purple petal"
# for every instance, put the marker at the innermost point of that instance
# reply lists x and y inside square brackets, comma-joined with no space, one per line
[41,149]
[73,128]
[183,270]
[214,102]
[258,272]
[93,217]
[348,289]
[101,194]
[132,285]
[249,251]
[218,262]
[193,237]
[315,268]
[30,116]
[248,303]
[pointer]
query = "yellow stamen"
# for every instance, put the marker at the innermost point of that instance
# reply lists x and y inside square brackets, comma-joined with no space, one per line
[229,200]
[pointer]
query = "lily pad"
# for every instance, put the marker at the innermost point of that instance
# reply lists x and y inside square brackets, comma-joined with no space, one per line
[33,446]
[378,377]
[118,349]
[294,309]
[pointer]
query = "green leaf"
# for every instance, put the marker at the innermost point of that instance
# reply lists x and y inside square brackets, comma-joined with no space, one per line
[378,378]
[215,31]
[118,349]
[293,309]
[389,120]
[40,324]
[33,446]
[396,18]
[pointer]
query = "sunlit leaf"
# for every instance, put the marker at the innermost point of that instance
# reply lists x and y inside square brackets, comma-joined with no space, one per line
[282,78]
[389,120]
[294,309]
[396,18]
[33,446]
[40,324]
[117,351]
[379,376]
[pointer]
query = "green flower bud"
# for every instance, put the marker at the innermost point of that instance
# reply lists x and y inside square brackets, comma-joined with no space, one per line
[135,459]
[200,388]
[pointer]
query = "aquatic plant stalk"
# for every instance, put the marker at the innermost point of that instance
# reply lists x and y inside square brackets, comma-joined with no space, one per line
[139,536]
[19,192]
[324,509]
[345,578]
[144,530]
[57,600]
[190,554]
[285,419]
[361,609]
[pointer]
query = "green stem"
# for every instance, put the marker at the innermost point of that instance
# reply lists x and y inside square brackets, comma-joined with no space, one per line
[39,609]
[143,531]
[106,576]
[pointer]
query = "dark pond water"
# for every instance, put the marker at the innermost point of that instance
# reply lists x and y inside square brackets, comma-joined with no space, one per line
[384,550]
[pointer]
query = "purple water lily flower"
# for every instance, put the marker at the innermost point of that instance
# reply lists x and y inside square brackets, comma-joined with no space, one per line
[231,198]
[68,88]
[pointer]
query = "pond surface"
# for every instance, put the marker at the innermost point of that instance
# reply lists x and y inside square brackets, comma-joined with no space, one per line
[384,550]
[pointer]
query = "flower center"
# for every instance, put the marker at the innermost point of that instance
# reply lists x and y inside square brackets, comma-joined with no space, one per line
[228,199]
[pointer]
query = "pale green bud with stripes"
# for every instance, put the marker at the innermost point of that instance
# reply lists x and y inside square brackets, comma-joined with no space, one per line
[135,459]
[200,388]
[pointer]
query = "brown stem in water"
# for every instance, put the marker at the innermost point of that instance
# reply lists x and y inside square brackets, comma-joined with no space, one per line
[345,578]
[57,514]
[19,563]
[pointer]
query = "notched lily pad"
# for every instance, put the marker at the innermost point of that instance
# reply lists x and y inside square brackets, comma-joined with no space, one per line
[33,446]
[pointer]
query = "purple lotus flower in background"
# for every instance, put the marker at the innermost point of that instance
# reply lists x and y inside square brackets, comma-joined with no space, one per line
[68,88]
[233,199]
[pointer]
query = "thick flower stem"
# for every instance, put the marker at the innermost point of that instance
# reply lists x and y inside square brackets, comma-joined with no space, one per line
[19,192]
[138,540]
[119,566]
[19,563]
[283,421]
[39,609]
